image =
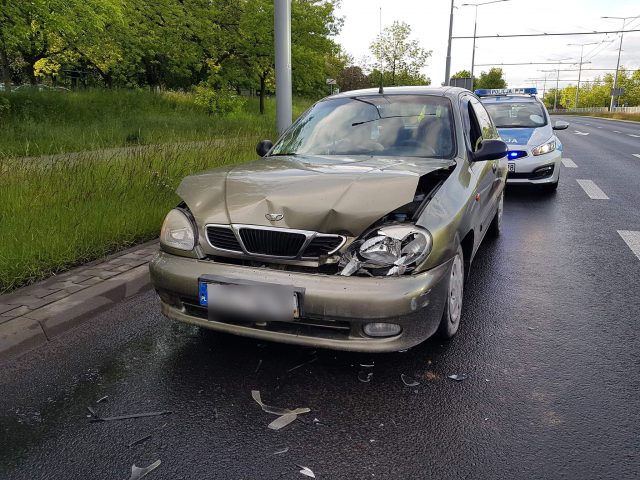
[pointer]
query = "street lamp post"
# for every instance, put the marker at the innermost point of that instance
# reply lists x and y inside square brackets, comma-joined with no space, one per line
[282,13]
[475,28]
[615,78]
[581,45]
[447,70]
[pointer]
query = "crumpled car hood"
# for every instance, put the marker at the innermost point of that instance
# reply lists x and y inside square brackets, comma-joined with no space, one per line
[326,194]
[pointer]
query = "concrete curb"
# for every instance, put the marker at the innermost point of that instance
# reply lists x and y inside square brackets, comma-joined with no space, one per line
[33,324]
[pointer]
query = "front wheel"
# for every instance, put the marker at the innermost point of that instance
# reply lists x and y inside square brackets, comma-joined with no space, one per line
[453,305]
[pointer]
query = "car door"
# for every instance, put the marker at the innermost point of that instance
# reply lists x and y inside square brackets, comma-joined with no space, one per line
[489,131]
[482,171]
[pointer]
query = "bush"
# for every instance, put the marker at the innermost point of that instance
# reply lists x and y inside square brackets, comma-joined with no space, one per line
[217,102]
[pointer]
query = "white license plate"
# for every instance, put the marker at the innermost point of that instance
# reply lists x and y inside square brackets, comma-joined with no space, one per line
[259,302]
[512,167]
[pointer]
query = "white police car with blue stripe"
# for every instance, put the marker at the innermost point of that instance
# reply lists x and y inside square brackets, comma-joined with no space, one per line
[535,153]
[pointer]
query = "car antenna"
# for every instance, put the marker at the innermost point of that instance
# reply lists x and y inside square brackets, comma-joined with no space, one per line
[381,89]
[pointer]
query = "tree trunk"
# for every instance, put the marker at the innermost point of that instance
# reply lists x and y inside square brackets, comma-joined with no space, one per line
[6,72]
[263,87]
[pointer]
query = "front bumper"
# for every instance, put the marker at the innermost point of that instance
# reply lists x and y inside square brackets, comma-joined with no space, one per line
[525,168]
[334,308]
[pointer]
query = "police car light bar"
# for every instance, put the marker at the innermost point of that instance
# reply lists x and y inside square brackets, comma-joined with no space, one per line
[485,92]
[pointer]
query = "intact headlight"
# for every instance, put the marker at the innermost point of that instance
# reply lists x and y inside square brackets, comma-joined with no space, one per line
[178,231]
[544,148]
[390,250]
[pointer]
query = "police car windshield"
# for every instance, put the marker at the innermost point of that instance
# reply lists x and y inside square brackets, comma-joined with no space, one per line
[516,114]
[376,125]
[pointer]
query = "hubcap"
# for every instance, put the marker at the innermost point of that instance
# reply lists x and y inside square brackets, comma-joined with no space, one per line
[455,290]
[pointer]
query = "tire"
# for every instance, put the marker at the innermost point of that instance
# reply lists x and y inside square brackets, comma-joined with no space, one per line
[550,187]
[453,306]
[495,227]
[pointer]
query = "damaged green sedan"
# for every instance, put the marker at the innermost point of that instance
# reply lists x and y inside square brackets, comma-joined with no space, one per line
[355,231]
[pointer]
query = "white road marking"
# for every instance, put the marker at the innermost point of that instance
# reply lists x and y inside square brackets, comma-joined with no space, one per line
[632,239]
[587,124]
[592,190]
[581,133]
[632,135]
[636,155]
[567,162]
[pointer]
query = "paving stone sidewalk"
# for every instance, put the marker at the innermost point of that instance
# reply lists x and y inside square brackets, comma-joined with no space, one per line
[33,315]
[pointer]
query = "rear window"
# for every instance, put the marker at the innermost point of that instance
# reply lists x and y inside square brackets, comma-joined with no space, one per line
[516,114]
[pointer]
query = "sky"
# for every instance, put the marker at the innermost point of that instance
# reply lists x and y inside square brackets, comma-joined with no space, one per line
[429,20]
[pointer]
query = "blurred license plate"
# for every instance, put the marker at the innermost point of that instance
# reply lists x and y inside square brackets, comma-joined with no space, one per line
[512,167]
[259,302]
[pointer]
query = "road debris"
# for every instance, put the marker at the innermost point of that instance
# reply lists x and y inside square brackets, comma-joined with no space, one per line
[458,377]
[302,364]
[102,399]
[98,418]
[137,473]
[280,452]
[408,381]
[306,471]
[365,377]
[139,441]
[258,367]
[285,416]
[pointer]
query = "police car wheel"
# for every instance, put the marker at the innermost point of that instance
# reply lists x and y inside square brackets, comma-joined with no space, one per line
[550,187]
[453,304]
[496,224]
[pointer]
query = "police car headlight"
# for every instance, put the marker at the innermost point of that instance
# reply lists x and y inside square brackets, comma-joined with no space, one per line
[389,250]
[544,148]
[178,231]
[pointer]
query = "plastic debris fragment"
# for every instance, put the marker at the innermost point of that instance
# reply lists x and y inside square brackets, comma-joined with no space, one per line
[302,364]
[306,471]
[365,377]
[98,418]
[139,441]
[280,452]
[137,473]
[408,381]
[258,367]
[102,399]
[458,377]
[286,416]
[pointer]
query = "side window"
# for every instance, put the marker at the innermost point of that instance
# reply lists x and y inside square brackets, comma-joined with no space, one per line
[484,120]
[472,127]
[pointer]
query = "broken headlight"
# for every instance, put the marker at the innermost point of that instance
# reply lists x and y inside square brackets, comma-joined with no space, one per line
[389,250]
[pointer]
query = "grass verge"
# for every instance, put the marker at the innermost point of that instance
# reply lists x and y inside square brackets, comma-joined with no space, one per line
[634,117]
[68,211]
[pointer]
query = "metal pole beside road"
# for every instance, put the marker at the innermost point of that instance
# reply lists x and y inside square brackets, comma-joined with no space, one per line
[615,78]
[581,45]
[447,70]
[282,20]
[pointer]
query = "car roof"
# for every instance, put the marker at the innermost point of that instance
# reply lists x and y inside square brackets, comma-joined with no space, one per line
[417,90]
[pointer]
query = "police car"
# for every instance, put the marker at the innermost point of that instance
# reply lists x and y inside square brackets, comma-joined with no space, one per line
[525,126]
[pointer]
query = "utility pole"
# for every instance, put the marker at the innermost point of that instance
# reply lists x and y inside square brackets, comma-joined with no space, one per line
[555,99]
[447,70]
[581,45]
[615,78]
[475,29]
[282,14]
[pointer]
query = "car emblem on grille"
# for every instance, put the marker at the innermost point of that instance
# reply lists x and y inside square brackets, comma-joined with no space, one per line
[274,217]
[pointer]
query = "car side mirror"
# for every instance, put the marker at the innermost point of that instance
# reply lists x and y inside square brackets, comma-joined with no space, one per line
[263,147]
[560,125]
[489,150]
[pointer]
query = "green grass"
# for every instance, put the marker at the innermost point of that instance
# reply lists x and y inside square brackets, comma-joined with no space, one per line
[61,211]
[49,122]
[635,117]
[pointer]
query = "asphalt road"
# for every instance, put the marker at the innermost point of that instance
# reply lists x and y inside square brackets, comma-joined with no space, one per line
[549,343]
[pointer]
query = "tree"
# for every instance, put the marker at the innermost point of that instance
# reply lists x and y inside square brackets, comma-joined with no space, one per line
[352,78]
[397,54]
[492,79]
